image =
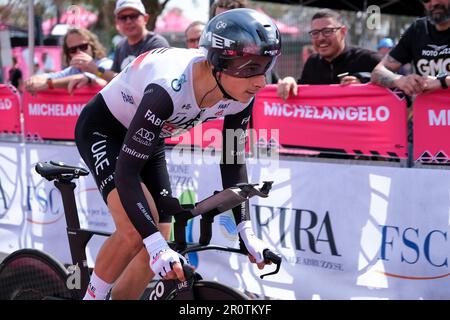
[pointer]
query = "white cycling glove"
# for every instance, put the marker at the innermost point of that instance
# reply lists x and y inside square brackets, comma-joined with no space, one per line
[161,256]
[254,245]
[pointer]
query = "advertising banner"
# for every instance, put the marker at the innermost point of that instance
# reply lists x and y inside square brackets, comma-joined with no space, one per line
[52,114]
[357,119]
[9,109]
[432,127]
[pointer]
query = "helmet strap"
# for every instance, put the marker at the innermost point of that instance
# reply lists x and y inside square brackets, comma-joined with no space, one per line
[225,94]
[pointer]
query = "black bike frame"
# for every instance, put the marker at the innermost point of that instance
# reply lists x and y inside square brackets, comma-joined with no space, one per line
[78,238]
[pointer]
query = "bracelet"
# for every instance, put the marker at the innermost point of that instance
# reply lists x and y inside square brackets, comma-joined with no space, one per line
[50,84]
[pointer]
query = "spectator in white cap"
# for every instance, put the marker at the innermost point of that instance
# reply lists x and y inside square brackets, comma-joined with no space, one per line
[131,21]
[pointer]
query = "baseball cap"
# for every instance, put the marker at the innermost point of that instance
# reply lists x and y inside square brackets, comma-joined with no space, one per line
[129,4]
[385,43]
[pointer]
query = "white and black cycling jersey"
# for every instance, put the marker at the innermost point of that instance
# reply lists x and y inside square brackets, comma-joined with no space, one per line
[120,131]
[126,91]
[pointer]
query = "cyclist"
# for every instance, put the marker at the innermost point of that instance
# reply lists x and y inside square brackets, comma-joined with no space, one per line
[120,135]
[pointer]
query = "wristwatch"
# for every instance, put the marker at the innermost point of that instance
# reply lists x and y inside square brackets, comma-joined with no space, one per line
[442,77]
[100,72]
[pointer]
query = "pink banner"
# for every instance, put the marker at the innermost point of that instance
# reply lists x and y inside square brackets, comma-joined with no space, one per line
[9,109]
[432,127]
[357,120]
[52,114]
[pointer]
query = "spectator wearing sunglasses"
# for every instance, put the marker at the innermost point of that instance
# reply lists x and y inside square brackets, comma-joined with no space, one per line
[426,43]
[131,21]
[334,61]
[83,54]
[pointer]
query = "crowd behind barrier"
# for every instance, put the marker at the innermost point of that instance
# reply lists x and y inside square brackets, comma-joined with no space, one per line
[356,120]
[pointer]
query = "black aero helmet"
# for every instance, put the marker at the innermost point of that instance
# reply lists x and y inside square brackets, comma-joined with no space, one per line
[241,43]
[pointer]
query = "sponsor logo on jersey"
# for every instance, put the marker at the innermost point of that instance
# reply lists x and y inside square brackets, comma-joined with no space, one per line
[186,106]
[127,98]
[223,106]
[150,116]
[219,113]
[245,120]
[105,182]
[177,83]
[134,153]
[143,136]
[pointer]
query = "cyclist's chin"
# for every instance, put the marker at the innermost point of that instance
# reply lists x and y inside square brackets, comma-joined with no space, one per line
[245,97]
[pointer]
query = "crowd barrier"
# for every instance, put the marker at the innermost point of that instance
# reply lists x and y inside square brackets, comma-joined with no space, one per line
[373,232]
[353,120]
[432,127]
[9,110]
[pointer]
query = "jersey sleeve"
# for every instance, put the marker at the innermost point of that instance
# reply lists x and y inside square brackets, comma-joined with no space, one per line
[140,141]
[232,168]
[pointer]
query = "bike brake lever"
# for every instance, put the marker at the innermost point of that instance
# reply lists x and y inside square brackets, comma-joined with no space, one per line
[271,256]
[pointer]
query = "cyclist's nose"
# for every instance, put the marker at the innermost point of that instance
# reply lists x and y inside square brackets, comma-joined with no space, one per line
[259,81]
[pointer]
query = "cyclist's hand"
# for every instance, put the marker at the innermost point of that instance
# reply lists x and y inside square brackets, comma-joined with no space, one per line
[254,245]
[163,261]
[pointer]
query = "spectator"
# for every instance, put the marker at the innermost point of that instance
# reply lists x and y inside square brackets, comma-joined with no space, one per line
[15,75]
[384,46]
[193,33]
[334,61]
[220,6]
[426,44]
[84,54]
[131,21]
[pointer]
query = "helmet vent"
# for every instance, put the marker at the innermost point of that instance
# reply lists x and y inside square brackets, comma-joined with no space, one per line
[261,36]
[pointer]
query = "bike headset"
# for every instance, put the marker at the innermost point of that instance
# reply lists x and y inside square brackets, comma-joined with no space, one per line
[241,43]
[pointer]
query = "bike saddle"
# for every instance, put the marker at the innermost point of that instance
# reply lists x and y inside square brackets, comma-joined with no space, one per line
[58,170]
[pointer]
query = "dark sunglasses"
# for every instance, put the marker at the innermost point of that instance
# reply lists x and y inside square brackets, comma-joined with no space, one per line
[82,47]
[132,17]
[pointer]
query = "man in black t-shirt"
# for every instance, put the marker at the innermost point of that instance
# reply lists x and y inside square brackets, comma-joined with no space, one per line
[131,21]
[426,43]
[334,62]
